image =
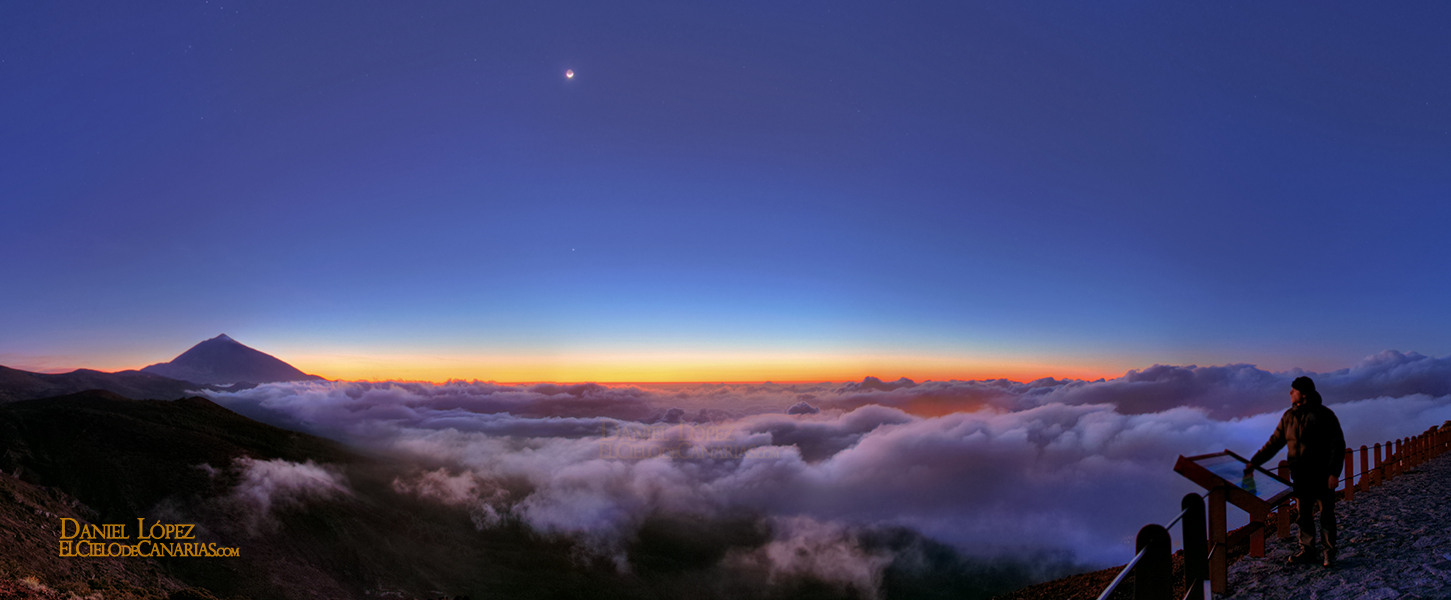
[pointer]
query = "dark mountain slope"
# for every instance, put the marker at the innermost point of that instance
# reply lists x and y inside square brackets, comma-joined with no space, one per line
[29,568]
[179,462]
[24,385]
[223,360]
[191,461]
[123,456]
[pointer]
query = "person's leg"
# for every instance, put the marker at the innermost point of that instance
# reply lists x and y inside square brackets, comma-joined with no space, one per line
[1327,526]
[1305,501]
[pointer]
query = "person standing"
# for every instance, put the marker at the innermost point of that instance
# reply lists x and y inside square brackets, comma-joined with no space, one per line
[1316,457]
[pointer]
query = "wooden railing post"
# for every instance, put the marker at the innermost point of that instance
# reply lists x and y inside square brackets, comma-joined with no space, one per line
[1349,474]
[1154,575]
[1206,531]
[1218,546]
[1196,546]
[1385,467]
[1400,456]
[1379,469]
[1393,450]
[1364,468]
[1390,460]
[1282,525]
[1390,471]
[1257,534]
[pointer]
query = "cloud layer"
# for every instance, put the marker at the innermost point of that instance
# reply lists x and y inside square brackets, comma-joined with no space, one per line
[267,485]
[991,468]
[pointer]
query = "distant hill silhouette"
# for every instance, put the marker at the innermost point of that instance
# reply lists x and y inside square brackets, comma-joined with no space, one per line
[223,360]
[24,385]
[101,458]
[113,460]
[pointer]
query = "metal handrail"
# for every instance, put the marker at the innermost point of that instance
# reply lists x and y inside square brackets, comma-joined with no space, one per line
[1181,516]
[1113,585]
[1177,519]
[1414,450]
[1122,574]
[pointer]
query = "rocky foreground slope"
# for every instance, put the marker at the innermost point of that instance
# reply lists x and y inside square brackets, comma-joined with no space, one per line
[1395,543]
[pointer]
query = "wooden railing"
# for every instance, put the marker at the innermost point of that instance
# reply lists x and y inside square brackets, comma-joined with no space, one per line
[1153,566]
[1206,548]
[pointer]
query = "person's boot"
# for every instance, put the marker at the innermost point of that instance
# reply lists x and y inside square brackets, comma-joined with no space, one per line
[1329,558]
[1305,556]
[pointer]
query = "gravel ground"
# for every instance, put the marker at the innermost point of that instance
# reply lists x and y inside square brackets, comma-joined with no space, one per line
[1395,543]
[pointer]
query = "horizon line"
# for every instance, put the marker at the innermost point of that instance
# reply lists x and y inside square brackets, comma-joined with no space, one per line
[859,379]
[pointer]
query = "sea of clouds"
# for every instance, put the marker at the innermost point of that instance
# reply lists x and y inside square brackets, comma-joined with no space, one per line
[992,468]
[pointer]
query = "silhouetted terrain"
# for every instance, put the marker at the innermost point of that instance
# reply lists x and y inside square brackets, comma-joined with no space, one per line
[29,525]
[220,363]
[223,360]
[184,461]
[315,519]
[24,385]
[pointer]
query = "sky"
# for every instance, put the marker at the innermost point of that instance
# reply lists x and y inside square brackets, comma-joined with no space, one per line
[737,191]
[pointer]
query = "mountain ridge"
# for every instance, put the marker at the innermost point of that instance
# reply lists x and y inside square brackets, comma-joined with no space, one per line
[223,360]
[16,385]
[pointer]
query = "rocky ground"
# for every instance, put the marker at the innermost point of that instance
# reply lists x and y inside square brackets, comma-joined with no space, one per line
[1395,543]
[29,566]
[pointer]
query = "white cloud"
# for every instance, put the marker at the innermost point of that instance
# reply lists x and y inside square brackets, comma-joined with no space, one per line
[267,485]
[1021,468]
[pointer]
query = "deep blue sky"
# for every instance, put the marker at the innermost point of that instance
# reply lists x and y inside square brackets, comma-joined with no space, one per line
[1084,187]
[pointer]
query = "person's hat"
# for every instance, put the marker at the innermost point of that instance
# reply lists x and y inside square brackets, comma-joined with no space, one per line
[1304,384]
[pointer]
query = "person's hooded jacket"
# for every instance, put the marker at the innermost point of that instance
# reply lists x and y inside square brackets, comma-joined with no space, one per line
[1314,438]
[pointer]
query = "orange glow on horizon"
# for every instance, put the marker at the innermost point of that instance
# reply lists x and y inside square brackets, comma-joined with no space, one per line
[681,368]
[655,367]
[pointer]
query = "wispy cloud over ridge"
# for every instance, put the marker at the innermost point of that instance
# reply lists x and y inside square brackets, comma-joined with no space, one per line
[266,485]
[989,467]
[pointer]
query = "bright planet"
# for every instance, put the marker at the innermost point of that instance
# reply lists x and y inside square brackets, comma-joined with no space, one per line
[888,302]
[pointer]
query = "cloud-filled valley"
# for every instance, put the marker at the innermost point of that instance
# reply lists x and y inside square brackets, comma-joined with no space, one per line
[1064,469]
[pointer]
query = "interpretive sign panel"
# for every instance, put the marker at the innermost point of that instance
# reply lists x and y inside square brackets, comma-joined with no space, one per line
[1255,491]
